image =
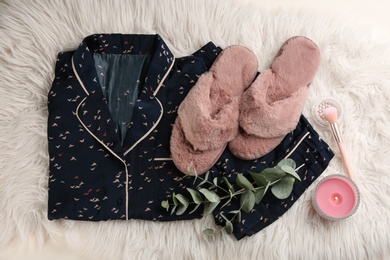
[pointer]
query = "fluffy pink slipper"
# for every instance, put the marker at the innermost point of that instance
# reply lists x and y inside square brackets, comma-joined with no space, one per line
[271,107]
[208,116]
[186,158]
[251,147]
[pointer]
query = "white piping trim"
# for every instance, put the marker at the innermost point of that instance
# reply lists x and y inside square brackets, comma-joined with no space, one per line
[148,132]
[165,76]
[139,140]
[78,77]
[162,159]
[300,141]
[112,152]
[161,113]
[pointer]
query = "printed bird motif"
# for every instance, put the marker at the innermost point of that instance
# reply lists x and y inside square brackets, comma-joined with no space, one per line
[94,200]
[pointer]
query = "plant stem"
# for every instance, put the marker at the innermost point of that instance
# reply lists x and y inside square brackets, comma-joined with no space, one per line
[233,194]
[209,182]
[243,190]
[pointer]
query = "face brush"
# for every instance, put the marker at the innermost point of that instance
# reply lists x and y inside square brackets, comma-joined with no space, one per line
[336,196]
[320,106]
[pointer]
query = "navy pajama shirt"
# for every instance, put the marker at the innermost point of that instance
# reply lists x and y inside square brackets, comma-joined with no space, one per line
[109,147]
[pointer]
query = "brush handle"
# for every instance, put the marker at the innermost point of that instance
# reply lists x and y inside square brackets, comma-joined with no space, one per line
[337,136]
[345,160]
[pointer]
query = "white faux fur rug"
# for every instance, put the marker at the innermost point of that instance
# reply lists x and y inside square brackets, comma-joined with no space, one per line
[354,69]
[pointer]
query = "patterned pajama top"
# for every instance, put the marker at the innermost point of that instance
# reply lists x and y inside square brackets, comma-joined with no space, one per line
[111,107]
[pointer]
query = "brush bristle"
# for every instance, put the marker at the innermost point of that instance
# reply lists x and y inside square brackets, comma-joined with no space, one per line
[330,114]
[321,107]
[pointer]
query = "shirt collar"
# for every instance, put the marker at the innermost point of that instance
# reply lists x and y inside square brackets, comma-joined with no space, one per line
[161,58]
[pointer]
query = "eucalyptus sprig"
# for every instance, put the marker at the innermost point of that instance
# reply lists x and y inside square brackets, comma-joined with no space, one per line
[249,190]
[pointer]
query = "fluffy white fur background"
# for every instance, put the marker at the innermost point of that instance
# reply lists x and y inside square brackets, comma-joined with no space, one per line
[355,69]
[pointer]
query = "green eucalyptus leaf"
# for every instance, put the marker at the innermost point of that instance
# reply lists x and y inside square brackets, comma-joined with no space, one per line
[175,201]
[228,224]
[289,170]
[165,204]
[259,178]
[215,181]
[210,207]
[284,187]
[273,174]
[247,201]
[196,207]
[259,194]
[181,209]
[182,199]
[206,177]
[196,197]
[210,195]
[184,204]
[229,227]
[228,184]
[173,209]
[243,182]
[209,232]
[288,162]
[238,216]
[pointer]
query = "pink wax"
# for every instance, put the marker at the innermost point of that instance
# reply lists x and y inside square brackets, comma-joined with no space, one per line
[337,197]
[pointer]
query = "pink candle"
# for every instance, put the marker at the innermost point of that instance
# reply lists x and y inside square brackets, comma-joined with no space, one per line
[336,197]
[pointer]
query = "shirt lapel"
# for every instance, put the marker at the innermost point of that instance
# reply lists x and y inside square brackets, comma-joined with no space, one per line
[93,112]
[149,110]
